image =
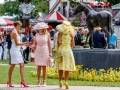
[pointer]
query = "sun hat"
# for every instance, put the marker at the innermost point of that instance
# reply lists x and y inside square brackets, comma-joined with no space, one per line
[40,25]
[65,28]
[98,28]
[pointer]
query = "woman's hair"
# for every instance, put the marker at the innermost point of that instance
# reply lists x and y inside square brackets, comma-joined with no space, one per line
[44,31]
[17,23]
[5,33]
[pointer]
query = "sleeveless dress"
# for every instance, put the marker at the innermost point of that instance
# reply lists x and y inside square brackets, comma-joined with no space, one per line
[41,51]
[16,56]
[68,62]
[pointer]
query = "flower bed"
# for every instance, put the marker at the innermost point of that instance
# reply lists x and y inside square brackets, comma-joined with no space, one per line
[101,75]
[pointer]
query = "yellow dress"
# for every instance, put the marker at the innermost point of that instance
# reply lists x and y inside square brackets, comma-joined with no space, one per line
[68,62]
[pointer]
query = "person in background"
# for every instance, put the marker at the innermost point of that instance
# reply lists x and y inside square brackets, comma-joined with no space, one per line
[26,50]
[8,40]
[5,46]
[52,32]
[32,50]
[1,44]
[113,41]
[65,43]
[42,43]
[98,39]
[77,39]
[16,55]
[84,37]
[81,31]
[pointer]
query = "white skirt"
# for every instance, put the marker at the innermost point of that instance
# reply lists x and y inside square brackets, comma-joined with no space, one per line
[16,56]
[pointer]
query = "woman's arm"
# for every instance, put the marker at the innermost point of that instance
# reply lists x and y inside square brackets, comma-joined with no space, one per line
[59,39]
[72,41]
[34,43]
[14,36]
[49,45]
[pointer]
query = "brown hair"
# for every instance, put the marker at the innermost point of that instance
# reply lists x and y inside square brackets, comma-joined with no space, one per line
[44,31]
[17,23]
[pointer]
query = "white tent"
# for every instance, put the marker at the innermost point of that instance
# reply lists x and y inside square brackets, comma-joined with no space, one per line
[117,6]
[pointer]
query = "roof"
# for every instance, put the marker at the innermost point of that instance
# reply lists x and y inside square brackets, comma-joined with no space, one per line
[117,6]
[41,16]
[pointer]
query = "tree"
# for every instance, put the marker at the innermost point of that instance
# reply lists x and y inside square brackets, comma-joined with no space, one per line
[113,2]
[77,21]
[10,7]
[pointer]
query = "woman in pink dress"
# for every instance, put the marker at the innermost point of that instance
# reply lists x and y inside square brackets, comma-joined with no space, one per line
[43,50]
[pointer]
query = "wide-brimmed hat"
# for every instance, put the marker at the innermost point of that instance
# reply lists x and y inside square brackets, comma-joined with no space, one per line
[65,28]
[40,25]
[98,28]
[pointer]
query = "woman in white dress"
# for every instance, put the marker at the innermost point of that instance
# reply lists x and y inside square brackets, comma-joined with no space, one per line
[16,56]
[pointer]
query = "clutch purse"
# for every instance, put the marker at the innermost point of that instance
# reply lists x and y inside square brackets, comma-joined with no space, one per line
[32,55]
[50,62]
[57,56]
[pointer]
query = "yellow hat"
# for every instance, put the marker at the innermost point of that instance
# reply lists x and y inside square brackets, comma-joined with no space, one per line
[65,28]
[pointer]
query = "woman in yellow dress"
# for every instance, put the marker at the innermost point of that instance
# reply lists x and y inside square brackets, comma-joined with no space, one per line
[65,42]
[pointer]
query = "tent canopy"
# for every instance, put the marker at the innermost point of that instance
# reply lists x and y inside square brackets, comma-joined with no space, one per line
[4,21]
[55,16]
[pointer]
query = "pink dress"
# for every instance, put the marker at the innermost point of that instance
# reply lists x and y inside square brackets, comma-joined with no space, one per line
[42,50]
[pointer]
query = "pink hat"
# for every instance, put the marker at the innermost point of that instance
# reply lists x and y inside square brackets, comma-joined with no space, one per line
[40,25]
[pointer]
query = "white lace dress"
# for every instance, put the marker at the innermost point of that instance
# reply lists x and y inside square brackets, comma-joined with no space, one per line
[16,56]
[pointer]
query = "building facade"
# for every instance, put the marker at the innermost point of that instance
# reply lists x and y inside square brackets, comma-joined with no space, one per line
[64,6]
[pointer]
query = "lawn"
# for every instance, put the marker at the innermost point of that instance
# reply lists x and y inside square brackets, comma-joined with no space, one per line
[33,80]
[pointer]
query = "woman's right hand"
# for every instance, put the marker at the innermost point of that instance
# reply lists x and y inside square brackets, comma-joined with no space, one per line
[26,43]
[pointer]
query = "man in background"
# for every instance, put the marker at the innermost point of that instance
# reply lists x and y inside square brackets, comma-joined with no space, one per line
[113,41]
[26,49]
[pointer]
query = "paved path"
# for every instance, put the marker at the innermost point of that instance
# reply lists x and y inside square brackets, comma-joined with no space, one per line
[34,87]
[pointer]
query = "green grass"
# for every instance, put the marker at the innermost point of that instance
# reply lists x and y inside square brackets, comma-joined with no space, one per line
[7,62]
[33,80]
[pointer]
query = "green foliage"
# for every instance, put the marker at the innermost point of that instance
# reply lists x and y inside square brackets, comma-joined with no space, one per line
[77,22]
[41,6]
[113,2]
[11,7]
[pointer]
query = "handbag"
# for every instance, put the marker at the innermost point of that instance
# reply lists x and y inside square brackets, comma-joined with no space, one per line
[57,56]
[32,55]
[50,62]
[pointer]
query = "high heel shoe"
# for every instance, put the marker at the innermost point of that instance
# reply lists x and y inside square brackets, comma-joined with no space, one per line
[60,84]
[9,84]
[22,83]
[38,85]
[66,85]
[44,83]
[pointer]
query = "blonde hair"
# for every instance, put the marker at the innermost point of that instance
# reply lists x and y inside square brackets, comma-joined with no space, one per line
[44,31]
[17,23]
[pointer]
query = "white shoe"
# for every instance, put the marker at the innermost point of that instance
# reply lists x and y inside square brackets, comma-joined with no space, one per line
[38,85]
[44,85]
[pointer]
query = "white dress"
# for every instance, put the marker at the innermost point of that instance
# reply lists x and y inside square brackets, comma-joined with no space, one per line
[16,56]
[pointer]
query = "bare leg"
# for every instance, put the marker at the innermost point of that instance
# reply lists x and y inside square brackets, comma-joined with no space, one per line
[22,71]
[38,73]
[66,76]
[66,79]
[10,72]
[60,74]
[44,75]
